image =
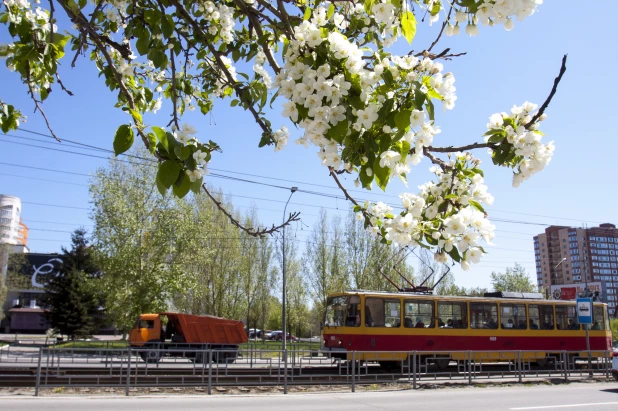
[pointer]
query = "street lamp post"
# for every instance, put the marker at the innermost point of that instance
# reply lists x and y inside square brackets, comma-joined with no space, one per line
[283,316]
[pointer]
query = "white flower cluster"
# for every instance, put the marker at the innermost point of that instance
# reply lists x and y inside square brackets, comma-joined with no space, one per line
[222,83]
[444,214]
[221,19]
[116,11]
[316,93]
[532,155]
[281,138]
[38,18]
[492,12]
[186,137]
[259,69]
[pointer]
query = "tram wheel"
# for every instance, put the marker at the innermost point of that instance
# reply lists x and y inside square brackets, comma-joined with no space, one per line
[443,363]
[542,362]
[389,364]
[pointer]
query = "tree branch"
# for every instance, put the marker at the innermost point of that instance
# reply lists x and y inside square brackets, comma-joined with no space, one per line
[250,231]
[198,30]
[451,149]
[37,106]
[551,94]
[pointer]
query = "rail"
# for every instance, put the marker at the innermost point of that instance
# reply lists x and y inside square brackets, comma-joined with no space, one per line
[50,367]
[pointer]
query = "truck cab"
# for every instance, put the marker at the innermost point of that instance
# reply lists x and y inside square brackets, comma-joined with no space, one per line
[148,328]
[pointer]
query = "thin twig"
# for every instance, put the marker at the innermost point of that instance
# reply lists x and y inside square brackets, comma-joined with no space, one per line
[551,94]
[441,30]
[254,233]
[37,106]
[174,91]
[69,92]
[51,21]
[451,149]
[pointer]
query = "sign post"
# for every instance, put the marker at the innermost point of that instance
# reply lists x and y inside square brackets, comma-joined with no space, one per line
[584,317]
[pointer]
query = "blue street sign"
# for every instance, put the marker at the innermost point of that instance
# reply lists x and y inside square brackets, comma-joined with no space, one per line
[584,310]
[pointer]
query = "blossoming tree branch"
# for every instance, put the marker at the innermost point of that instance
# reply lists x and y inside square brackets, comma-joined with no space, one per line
[367,111]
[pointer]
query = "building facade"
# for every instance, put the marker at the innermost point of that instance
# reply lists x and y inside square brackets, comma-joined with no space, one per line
[12,230]
[568,255]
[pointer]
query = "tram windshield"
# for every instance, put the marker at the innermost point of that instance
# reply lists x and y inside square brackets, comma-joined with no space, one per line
[343,311]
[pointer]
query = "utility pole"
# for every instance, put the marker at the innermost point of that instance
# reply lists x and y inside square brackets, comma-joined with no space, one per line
[284,337]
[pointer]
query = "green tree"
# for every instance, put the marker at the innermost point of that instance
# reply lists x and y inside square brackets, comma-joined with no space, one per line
[134,229]
[613,326]
[515,279]
[73,301]
[324,261]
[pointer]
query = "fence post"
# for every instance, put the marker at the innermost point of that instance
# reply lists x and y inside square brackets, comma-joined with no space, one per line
[128,382]
[414,362]
[565,363]
[38,374]
[285,370]
[519,364]
[210,371]
[353,371]
[469,368]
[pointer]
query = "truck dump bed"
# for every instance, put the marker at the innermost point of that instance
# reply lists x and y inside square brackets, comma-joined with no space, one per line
[208,329]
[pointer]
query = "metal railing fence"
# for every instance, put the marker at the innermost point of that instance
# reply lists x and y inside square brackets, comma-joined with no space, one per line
[128,368]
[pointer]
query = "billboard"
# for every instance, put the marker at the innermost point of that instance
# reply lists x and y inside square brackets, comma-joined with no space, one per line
[572,291]
[30,271]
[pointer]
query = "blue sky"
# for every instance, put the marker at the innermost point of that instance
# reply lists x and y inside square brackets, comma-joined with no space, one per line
[500,69]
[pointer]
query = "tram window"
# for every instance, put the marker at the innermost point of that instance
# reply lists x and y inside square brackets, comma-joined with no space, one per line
[566,318]
[382,313]
[546,316]
[513,317]
[483,315]
[336,309]
[598,321]
[418,314]
[454,315]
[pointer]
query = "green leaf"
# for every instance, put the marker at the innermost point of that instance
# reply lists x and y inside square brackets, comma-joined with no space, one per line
[168,173]
[60,40]
[338,132]
[136,116]
[265,140]
[143,43]
[152,142]
[197,185]
[408,25]
[382,174]
[161,136]
[182,152]
[369,5]
[167,26]
[497,138]
[162,189]
[307,14]
[430,109]
[182,185]
[455,254]
[477,206]
[330,11]
[402,119]
[364,178]
[123,140]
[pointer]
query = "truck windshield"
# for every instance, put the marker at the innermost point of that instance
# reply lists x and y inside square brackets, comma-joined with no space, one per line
[145,324]
[342,311]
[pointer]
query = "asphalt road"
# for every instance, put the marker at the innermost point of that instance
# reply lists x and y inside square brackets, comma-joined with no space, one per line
[571,397]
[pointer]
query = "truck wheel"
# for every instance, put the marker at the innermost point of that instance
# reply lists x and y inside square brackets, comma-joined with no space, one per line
[151,356]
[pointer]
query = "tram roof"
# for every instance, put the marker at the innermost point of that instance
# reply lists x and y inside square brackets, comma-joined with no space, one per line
[499,296]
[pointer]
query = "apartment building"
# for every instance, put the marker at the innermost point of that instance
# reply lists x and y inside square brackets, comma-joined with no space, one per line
[12,230]
[568,255]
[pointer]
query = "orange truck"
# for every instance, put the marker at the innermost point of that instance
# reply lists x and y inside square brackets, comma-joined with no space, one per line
[197,337]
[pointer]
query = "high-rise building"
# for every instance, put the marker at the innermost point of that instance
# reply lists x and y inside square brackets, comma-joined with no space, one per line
[12,229]
[567,255]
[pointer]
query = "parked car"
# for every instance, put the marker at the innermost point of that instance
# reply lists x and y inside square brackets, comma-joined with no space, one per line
[268,334]
[255,333]
[279,337]
[274,335]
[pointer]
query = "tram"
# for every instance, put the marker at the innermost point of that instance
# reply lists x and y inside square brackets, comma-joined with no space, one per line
[386,327]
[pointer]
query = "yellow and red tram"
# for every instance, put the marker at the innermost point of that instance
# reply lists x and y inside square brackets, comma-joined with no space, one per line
[384,326]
